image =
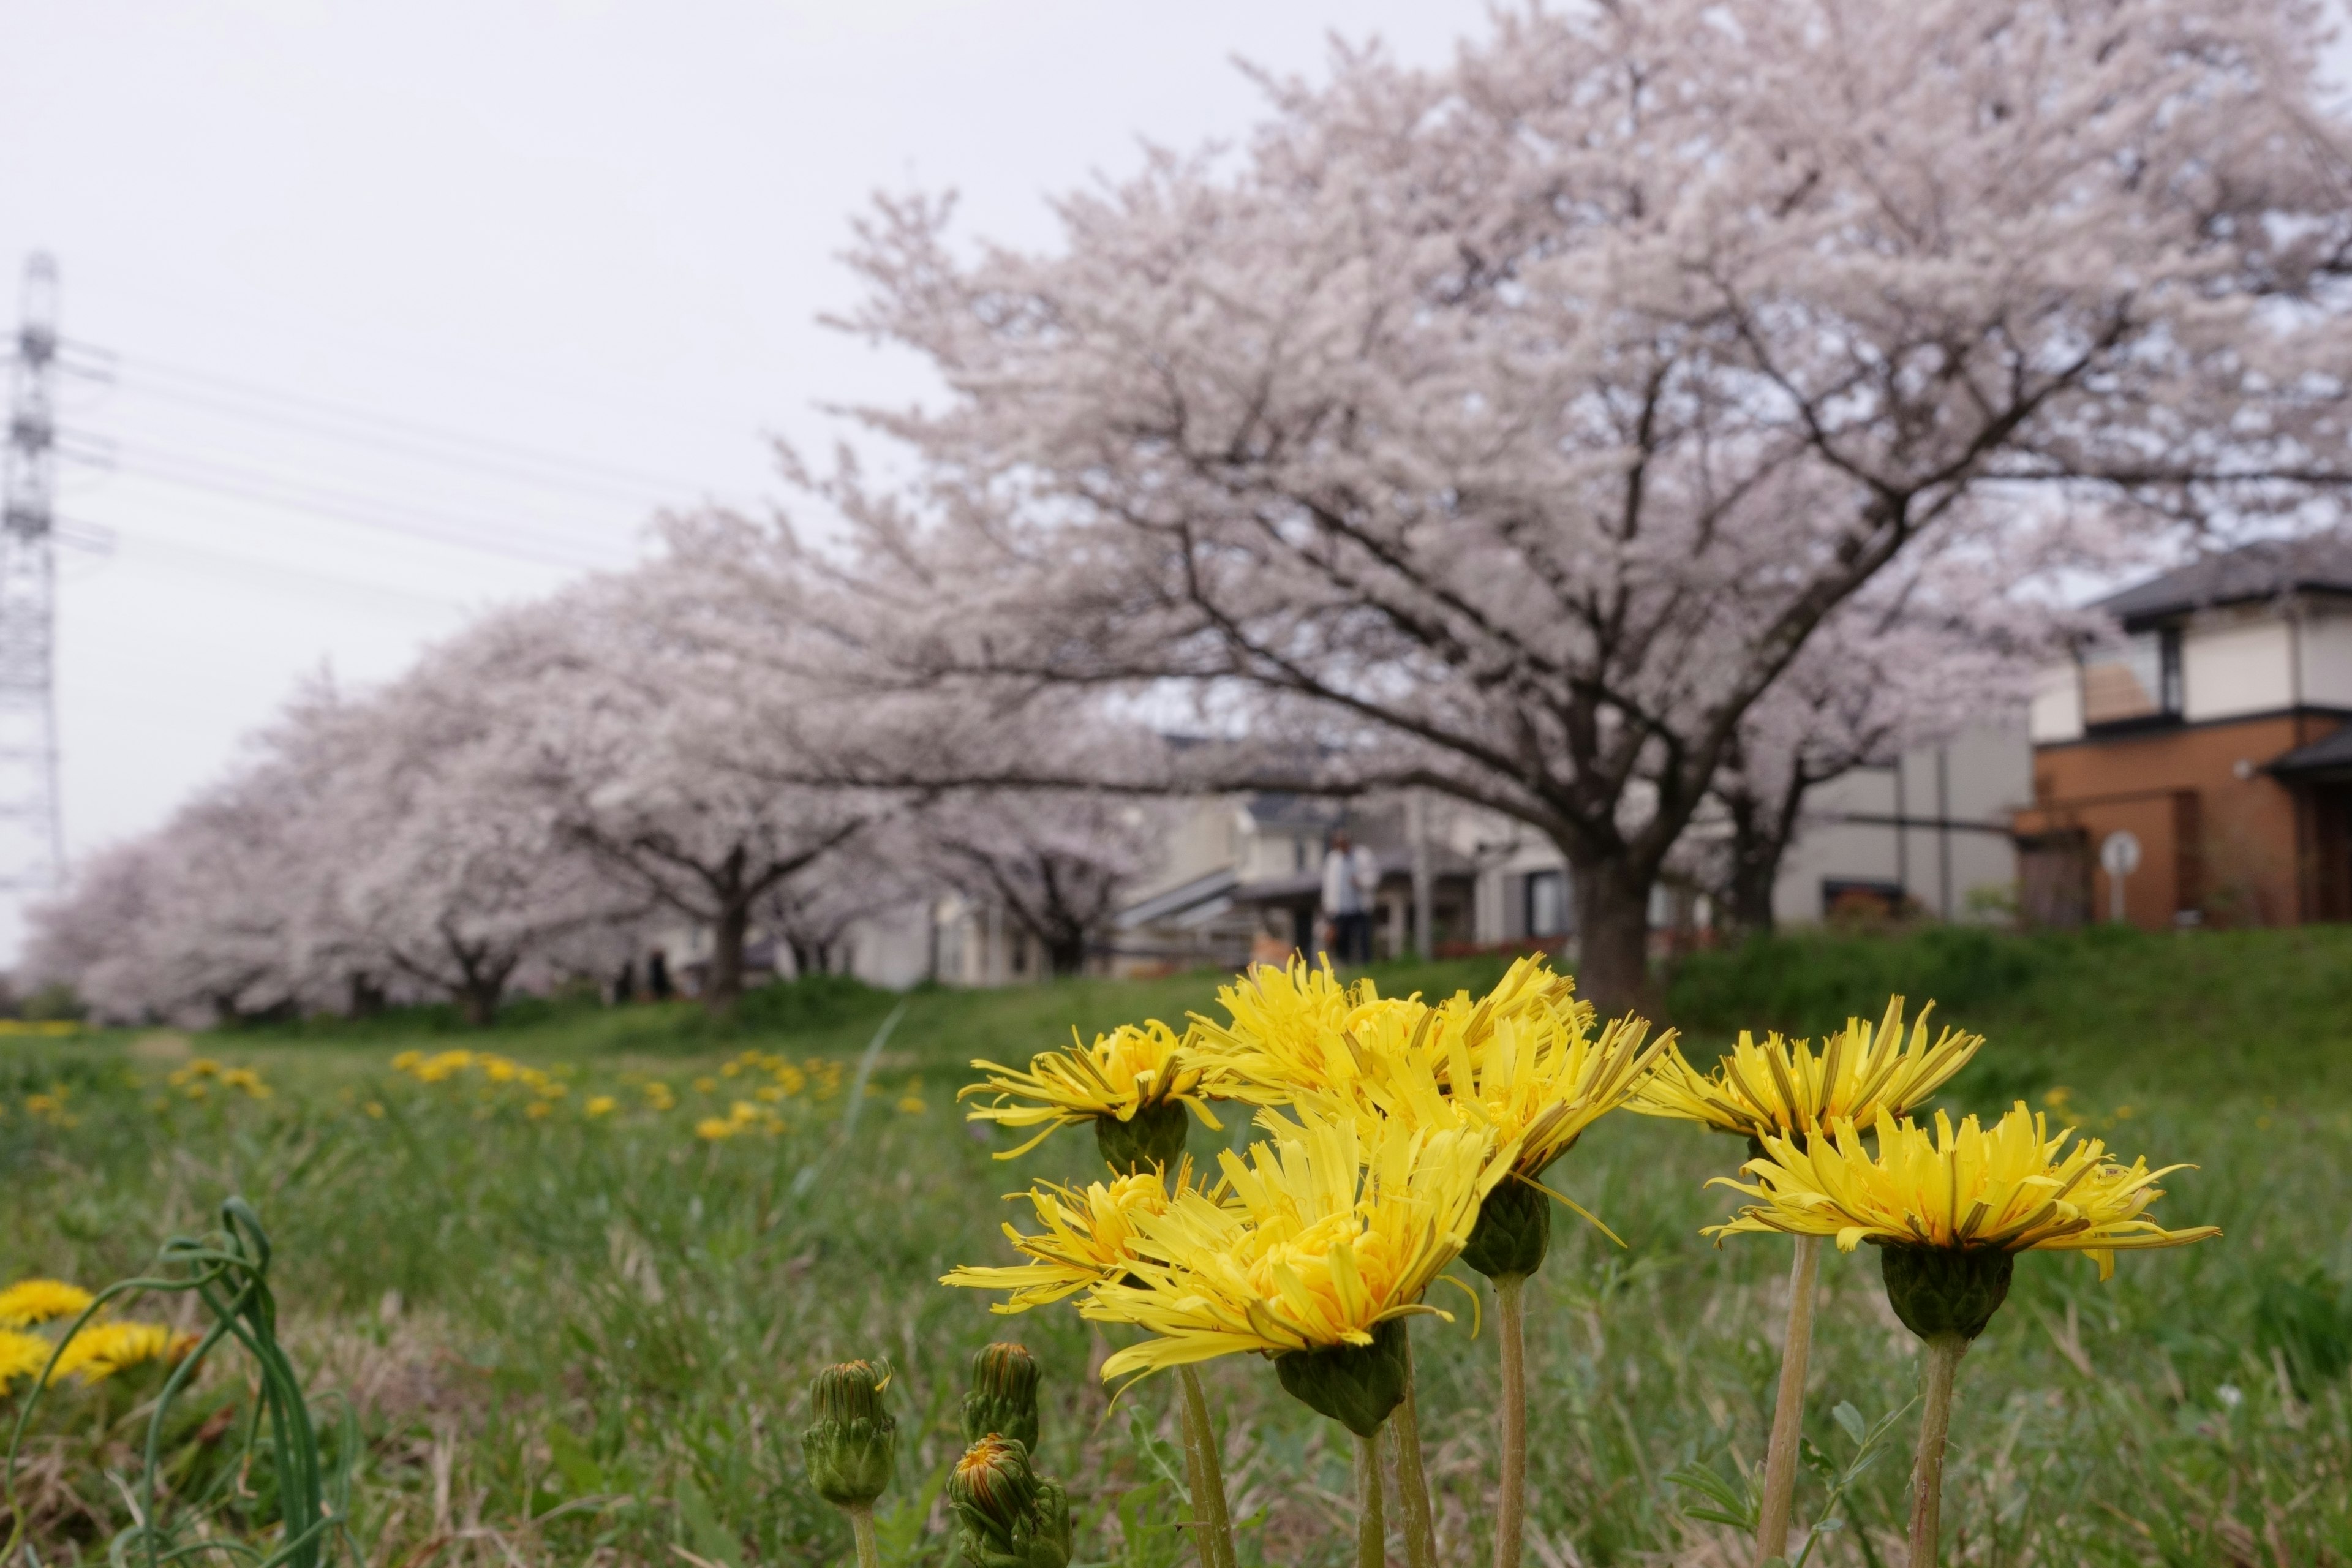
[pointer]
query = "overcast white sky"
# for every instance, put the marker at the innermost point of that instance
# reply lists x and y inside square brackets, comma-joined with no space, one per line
[368,270]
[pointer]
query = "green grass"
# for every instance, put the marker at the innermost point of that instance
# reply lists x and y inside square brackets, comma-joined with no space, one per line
[573,1340]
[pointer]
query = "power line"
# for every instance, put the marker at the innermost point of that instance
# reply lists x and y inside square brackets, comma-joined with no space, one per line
[316,408]
[253,568]
[345,506]
[505,469]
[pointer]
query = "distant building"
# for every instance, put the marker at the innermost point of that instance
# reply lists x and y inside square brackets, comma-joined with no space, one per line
[2215,734]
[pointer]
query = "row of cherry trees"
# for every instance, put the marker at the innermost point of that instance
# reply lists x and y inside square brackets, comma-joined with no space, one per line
[1622,428]
[641,751]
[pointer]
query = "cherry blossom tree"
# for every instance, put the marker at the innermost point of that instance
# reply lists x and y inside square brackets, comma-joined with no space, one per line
[1511,428]
[1949,636]
[448,869]
[1055,861]
[658,746]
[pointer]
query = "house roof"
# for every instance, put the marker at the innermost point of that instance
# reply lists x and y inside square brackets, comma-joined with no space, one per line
[2263,570]
[2329,755]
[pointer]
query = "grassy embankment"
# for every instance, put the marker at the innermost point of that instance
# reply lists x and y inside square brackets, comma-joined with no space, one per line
[583,1338]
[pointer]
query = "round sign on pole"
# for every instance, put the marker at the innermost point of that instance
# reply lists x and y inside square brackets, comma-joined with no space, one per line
[2119,854]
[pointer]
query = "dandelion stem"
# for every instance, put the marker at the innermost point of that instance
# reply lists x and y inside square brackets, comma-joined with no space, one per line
[1205,1473]
[1943,1362]
[1511,1509]
[1789,1414]
[1371,1526]
[1413,1478]
[861,1529]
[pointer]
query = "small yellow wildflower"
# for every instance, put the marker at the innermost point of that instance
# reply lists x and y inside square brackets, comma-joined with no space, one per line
[600,1105]
[1329,1233]
[716,1128]
[1964,1189]
[374,1108]
[21,1355]
[658,1095]
[705,1084]
[30,1301]
[539,1111]
[1781,1087]
[103,1349]
[1087,1239]
[1132,1069]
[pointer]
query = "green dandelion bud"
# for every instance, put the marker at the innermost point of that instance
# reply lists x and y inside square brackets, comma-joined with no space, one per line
[1004,1397]
[854,1445]
[1153,1135]
[1940,1291]
[1513,1232]
[1008,1515]
[1355,1385]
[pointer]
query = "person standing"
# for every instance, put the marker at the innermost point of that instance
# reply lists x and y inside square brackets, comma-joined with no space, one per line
[1350,877]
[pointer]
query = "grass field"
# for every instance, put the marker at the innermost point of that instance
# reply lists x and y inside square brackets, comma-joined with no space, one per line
[575,1337]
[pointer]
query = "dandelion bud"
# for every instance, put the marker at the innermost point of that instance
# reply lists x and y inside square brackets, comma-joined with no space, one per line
[1513,1232]
[1153,1136]
[1004,1397]
[1010,1516]
[1940,1290]
[1355,1385]
[853,1447]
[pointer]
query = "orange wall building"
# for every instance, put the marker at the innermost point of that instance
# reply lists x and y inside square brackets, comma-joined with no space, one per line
[2216,733]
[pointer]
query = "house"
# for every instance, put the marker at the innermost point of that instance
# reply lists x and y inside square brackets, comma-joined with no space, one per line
[2213,731]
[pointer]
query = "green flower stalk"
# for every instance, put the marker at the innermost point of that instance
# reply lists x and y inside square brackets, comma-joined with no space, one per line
[1951,1212]
[1358,1386]
[852,1447]
[1783,1088]
[1008,1516]
[1004,1397]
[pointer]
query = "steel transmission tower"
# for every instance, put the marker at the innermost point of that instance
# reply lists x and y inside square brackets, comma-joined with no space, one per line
[32,848]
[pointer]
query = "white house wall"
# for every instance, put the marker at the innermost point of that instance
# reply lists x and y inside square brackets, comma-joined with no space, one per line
[2326,657]
[2056,713]
[2233,667]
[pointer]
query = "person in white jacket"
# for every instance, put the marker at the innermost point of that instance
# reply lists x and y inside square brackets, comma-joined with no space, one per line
[1350,877]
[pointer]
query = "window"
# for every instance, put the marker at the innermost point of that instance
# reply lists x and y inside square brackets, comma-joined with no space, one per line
[1547,904]
[2134,683]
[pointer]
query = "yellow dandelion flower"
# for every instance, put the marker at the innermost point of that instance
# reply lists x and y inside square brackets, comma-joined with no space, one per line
[1783,1087]
[245,1078]
[705,1084]
[539,1111]
[1134,1070]
[600,1105]
[30,1301]
[716,1128]
[1536,1079]
[1331,1230]
[1085,1237]
[374,1108]
[1964,1189]
[103,1349]
[1286,1030]
[21,1355]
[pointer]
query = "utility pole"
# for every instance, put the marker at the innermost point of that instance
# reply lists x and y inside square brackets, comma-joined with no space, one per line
[32,847]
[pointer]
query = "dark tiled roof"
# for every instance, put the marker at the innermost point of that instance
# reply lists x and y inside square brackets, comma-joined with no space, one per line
[2329,755]
[2259,571]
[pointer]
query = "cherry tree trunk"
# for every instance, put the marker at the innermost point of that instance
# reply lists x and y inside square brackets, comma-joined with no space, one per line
[1752,876]
[724,987]
[478,999]
[1613,936]
[1065,953]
